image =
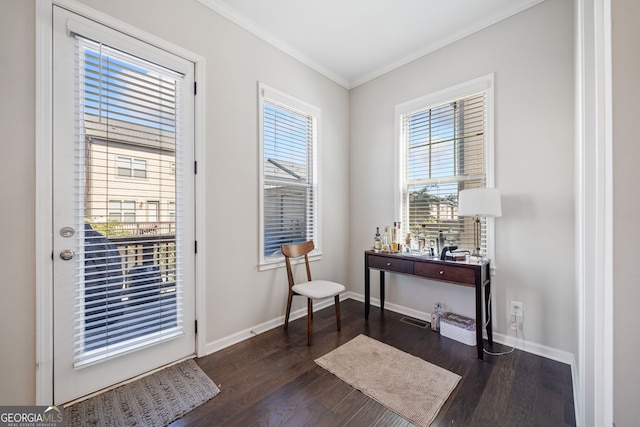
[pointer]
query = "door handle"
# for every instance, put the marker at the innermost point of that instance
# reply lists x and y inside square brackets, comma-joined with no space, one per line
[67,254]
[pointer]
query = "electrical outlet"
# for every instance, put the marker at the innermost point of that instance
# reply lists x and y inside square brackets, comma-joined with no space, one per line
[515,309]
[515,314]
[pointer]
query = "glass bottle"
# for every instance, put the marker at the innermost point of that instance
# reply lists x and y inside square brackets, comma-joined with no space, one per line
[385,240]
[377,241]
[422,239]
[394,237]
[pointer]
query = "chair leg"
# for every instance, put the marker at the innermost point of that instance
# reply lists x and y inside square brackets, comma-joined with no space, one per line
[309,319]
[286,317]
[337,299]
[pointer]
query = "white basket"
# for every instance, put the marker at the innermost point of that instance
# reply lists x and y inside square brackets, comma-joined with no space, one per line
[458,328]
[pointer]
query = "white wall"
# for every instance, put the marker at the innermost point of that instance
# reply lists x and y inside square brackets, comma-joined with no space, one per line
[238,296]
[626,152]
[531,55]
[17,211]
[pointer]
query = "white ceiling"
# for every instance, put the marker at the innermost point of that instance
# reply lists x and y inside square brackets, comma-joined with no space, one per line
[353,41]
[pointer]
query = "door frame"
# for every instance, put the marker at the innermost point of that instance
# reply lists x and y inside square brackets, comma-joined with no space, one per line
[44,169]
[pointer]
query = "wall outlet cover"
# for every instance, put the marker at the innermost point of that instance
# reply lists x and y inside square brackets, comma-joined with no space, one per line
[516,309]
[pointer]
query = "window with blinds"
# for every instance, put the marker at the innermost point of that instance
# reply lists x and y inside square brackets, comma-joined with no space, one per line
[289,180]
[444,150]
[128,291]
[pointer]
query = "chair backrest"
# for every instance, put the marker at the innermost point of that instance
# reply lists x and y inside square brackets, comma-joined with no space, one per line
[297,250]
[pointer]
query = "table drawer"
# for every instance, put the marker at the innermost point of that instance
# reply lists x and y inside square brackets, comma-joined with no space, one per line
[449,273]
[391,264]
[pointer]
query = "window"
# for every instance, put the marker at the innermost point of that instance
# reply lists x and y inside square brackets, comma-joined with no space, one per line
[171,208]
[139,168]
[130,107]
[122,211]
[289,196]
[127,166]
[445,144]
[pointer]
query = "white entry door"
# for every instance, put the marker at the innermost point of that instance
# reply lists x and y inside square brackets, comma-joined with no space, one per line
[124,293]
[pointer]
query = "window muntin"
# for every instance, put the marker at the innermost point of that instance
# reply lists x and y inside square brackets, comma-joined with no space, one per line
[445,147]
[289,198]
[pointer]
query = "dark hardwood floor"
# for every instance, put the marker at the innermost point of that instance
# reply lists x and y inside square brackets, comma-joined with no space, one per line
[272,379]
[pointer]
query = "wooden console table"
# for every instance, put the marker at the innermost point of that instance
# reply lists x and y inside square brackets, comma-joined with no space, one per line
[459,273]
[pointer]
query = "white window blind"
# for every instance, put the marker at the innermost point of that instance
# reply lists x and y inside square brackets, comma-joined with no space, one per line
[128,292]
[289,189]
[444,151]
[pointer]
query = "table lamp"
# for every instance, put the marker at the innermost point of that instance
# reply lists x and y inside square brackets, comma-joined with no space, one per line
[478,203]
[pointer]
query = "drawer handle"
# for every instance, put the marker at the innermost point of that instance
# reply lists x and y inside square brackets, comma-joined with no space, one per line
[388,264]
[441,272]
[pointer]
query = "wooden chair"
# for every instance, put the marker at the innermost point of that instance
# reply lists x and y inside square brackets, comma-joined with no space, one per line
[312,289]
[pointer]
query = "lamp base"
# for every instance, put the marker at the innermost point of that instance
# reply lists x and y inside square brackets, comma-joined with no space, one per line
[476,237]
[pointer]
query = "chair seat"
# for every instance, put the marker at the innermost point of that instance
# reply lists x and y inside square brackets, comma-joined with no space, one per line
[316,289]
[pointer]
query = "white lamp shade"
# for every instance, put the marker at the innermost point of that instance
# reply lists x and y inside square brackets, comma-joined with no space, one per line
[484,202]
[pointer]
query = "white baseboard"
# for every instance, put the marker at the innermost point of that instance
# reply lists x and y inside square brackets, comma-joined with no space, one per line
[535,348]
[511,341]
[230,340]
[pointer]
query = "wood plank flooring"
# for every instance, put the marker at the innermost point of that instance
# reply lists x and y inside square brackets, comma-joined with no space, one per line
[272,379]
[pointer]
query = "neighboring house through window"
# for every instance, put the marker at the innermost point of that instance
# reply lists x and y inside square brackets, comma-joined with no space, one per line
[445,145]
[289,195]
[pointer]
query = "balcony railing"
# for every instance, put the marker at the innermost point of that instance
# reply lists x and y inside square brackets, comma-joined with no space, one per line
[155,252]
[143,228]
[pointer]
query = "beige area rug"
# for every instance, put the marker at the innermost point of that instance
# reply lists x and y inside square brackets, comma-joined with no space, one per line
[407,385]
[154,400]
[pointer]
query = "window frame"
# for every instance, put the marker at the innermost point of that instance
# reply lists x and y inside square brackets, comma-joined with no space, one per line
[481,84]
[265,94]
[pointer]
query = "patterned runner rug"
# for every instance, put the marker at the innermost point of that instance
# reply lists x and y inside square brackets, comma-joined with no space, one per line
[154,400]
[407,385]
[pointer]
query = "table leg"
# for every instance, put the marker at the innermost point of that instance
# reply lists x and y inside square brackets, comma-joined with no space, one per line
[479,321]
[367,290]
[487,308]
[381,291]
